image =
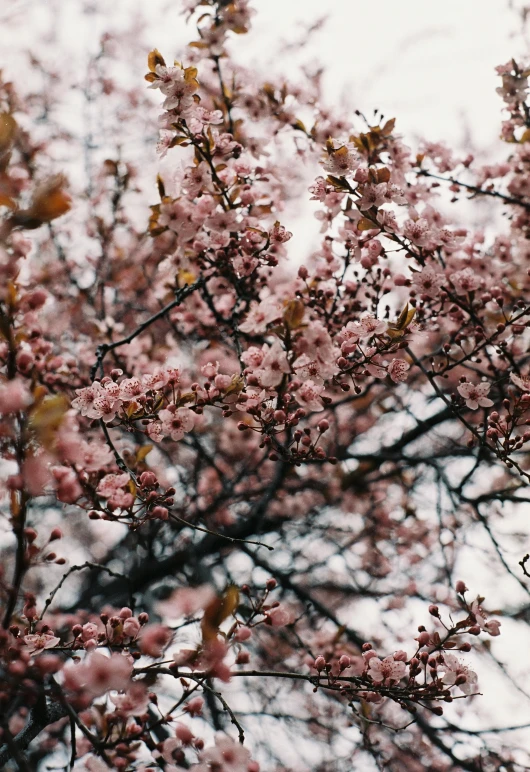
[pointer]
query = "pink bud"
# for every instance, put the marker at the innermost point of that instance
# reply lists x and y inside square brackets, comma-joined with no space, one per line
[243,633]
[461,587]
[183,733]
[320,663]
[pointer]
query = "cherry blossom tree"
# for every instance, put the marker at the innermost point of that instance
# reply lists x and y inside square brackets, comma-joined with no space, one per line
[244,492]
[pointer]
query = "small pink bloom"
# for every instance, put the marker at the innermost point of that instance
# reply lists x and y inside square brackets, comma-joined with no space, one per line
[386,669]
[465,281]
[279,617]
[14,396]
[308,395]
[175,423]
[397,370]
[522,381]
[475,395]
[40,641]
[455,669]
[154,640]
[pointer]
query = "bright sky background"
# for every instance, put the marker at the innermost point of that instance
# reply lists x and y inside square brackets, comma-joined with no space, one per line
[429,63]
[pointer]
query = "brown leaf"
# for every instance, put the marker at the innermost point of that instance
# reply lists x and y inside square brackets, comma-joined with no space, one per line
[217,611]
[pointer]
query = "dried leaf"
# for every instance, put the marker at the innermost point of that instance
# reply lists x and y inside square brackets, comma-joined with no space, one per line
[217,611]
[143,452]
[293,314]
[155,58]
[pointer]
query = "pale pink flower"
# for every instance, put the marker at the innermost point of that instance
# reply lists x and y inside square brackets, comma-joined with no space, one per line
[386,669]
[340,162]
[67,488]
[374,365]
[279,616]
[369,326]
[154,640]
[465,281]
[418,231]
[307,367]
[133,702]
[260,316]
[40,641]
[455,669]
[245,264]
[278,234]
[428,281]
[273,366]
[319,189]
[14,396]
[373,195]
[176,422]
[397,370]
[491,626]
[194,706]
[177,90]
[522,381]
[227,755]
[130,388]
[155,381]
[98,674]
[186,601]
[111,483]
[104,407]
[308,395]
[475,395]
[253,357]
[84,402]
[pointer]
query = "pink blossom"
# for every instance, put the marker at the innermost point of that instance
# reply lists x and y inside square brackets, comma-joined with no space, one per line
[315,369]
[369,326]
[373,195]
[279,617]
[273,366]
[98,674]
[67,488]
[428,281]
[454,669]
[465,281]
[341,162]
[176,422]
[227,755]
[133,702]
[319,189]
[522,381]
[491,626]
[261,315]
[308,395]
[186,601]
[475,395]
[194,706]
[40,641]
[417,231]
[130,388]
[382,669]
[397,370]
[279,234]
[111,483]
[154,640]
[14,396]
